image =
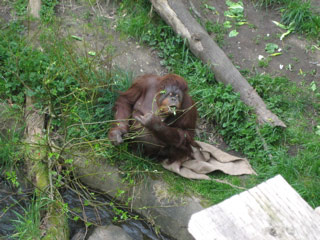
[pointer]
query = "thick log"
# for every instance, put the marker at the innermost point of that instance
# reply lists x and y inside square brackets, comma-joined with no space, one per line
[34,7]
[55,222]
[201,44]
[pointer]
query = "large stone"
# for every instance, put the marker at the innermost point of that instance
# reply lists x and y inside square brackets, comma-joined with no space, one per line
[109,232]
[150,198]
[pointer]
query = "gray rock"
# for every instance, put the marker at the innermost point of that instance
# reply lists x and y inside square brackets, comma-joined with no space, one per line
[169,212]
[109,232]
[80,235]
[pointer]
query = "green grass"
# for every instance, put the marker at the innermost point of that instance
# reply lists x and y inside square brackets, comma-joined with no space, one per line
[9,152]
[47,12]
[11,131]
[219,31]
[302,14]
[235,121]
[28,224]
[20,7]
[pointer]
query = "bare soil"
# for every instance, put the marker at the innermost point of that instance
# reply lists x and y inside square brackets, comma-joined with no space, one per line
[96,26]
[245,48]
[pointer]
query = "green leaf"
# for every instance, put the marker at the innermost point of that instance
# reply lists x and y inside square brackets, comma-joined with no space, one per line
[233,5]
[275,54]
[76,37]
[318,130]
[91,53]
[313,86]
[285,34]
[241,23]
[209,7]
[227,24]
[30,93]
[271,47]
[280,25]
[233,33]
[236,8]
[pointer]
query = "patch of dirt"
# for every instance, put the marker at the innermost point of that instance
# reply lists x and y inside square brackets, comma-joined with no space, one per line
[316,4]
[96,26]
[5,12]
[297,61]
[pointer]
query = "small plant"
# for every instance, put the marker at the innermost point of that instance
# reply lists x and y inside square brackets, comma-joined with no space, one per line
[12,177]
[233,33]
[257,39]
[219,31]
[28,224]
[264,62]
[267,37]
[10,156]
[269,3]
[227,24]
[313,86]
[290,28]
[121,215]
[289,67]
[47,10]
[236,13]
[271,47]
[208,7]
[297,15]
[20,7]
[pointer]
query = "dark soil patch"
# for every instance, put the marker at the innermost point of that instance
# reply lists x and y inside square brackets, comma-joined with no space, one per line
[96,26]
[299,60]
[5,12]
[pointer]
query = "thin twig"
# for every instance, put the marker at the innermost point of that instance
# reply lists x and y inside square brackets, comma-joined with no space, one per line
[226,182]
[264,143]
[194,9]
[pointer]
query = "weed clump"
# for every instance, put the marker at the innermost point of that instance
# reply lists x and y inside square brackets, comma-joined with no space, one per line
[297,13]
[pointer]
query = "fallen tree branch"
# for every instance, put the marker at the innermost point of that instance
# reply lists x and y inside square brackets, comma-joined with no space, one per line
[228,183]
[39,165]
[201,44]
[36,156]
[34,7]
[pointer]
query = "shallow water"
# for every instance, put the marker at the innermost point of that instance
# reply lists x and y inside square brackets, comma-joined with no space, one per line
[13,200]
